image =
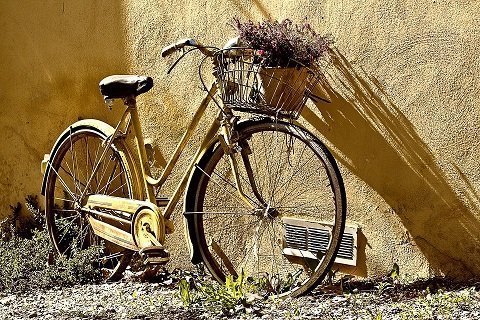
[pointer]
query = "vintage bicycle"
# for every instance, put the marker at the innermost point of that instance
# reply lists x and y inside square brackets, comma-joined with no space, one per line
[263,196]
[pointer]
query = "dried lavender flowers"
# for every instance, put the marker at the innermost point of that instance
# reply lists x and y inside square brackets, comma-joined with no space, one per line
[283,42]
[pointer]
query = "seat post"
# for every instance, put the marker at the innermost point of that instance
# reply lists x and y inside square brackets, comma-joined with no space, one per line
[130,101]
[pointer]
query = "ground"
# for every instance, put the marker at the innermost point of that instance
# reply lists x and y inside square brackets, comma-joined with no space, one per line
[129,299]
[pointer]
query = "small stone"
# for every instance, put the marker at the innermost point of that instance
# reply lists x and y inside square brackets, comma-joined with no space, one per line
[7,300]
[338,299]
[251,297]
[239,308]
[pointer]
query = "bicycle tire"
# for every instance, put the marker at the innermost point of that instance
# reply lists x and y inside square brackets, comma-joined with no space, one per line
[276,147]
[71,166]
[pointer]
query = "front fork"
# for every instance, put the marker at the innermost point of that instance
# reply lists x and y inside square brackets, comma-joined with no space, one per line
[231,145]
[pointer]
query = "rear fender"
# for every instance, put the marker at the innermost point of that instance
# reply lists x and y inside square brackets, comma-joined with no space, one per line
[93,124]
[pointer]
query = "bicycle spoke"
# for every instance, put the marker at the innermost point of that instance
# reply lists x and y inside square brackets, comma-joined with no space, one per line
[266,147]
[67,218]
[86,160]
[104,171]
[66,188]
[77,187]
[112,178]
[272,243]
[113,256]
[66,229]
[293,175]
[260,186]
[274,173]
[81,175]
[278,173]
[95,163]
[302,208]
[234,226]
[71,153]
[233,194]
[123,185]
[253,249]
[220,213]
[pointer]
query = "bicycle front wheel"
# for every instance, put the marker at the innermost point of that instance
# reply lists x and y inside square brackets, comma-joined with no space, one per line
[284,234]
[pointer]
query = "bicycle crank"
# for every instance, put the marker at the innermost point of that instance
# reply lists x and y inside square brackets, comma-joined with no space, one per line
[133,224]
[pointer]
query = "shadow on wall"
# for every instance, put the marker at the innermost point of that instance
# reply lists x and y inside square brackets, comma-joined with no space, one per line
[245,12]
[52,56]
[376,142]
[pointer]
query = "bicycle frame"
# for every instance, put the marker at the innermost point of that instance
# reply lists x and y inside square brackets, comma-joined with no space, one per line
[219,132]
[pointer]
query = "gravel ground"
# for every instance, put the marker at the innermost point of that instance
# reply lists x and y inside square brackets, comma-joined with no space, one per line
[134,300]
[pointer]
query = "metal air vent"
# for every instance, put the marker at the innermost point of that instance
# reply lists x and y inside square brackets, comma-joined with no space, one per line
[305,238]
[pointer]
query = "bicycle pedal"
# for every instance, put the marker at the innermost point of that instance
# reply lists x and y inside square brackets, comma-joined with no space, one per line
[155,255]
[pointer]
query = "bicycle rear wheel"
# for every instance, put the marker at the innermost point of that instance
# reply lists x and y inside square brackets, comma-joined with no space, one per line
[286,235]
[70,169]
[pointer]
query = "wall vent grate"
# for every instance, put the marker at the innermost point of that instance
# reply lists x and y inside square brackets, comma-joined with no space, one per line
[312,237]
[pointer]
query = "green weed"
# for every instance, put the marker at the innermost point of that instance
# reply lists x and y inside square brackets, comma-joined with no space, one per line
[234,297]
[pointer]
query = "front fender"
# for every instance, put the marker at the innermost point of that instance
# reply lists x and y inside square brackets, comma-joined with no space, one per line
[93,124]
[189,224]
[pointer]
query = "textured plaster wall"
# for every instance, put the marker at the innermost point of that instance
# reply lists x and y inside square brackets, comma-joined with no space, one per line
[52,56]
[403,119]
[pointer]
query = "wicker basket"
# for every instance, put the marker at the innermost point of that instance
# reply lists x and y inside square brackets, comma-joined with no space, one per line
[247,84]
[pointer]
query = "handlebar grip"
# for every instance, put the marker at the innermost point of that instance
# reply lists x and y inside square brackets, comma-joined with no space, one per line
[168,50]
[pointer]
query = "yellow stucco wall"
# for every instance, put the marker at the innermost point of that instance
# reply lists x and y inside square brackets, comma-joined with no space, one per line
[403,119]
[52,55]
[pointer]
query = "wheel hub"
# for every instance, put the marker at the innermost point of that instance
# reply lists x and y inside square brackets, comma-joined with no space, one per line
[273,213]
[268,212]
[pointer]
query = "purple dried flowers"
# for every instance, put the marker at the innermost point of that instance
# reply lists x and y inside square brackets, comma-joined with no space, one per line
[283,41]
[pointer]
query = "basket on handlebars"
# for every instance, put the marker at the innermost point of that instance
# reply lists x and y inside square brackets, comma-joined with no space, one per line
[248,84]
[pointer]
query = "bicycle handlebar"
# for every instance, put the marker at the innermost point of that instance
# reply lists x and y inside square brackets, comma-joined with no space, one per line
[179,45]
[208,51]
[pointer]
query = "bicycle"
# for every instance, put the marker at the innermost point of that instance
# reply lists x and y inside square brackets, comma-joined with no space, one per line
[263,195]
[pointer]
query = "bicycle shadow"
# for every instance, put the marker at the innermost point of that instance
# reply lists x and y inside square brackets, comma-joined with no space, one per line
[374,140]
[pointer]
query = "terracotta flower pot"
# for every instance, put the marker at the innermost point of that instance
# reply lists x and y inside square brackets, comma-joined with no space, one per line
[283,88]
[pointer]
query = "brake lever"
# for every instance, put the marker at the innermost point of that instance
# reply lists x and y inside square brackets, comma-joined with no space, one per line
[180,58]
[177,46]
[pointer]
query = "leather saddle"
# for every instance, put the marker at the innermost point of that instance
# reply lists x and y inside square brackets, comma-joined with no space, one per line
[122,86]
